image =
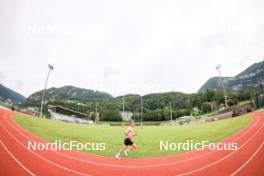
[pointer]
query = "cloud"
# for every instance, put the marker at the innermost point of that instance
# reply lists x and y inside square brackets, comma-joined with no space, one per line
[2,75]
[127,46]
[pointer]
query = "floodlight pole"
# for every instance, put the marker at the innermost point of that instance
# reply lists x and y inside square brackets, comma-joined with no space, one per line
[43,95]
[222,82]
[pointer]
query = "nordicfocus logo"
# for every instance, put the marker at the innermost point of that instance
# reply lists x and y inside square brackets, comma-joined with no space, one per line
[190,145]
[58,145]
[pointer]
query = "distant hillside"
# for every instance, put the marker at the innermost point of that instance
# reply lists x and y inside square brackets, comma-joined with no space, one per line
[151,102]
[249,78]
[10,96]
[68,93]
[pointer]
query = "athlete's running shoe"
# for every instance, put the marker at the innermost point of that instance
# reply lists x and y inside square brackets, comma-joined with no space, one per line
[117,157]
[126,152]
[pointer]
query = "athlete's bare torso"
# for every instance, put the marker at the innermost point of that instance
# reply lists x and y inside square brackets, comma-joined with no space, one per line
[129,133]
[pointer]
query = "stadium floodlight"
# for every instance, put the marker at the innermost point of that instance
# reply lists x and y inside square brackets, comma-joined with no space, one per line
[51,67]
[222,82]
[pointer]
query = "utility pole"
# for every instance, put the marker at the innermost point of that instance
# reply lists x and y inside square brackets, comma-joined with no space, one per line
[222,82]
[43,95]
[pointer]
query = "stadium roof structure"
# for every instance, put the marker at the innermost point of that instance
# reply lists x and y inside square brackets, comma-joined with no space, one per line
[66,111]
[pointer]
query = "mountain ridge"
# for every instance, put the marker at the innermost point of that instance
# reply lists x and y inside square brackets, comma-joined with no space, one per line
[249,78]
[9,95]
[69,92]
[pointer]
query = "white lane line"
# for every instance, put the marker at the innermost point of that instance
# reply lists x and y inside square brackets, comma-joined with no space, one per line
[240,168]
[138,166]
[43,158]
[227,156]
[14,158]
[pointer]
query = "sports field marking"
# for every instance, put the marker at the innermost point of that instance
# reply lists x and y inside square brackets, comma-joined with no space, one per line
[225,157]
[137,166]
[187,173]
[240,168]
[260,128]
[14,158]
[41,157]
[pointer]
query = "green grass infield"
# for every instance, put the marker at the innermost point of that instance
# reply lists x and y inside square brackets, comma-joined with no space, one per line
[147,140]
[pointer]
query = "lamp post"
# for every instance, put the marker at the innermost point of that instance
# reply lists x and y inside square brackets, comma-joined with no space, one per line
[43,94]
[222,82]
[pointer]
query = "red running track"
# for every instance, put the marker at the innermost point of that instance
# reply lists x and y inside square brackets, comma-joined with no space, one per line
[15,159]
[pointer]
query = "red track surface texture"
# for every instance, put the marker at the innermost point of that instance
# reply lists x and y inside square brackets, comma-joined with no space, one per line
[15,159]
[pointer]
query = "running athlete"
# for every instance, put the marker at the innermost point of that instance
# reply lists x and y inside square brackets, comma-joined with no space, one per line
[129,134]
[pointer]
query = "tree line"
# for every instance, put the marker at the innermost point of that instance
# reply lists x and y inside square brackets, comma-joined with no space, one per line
[158,106]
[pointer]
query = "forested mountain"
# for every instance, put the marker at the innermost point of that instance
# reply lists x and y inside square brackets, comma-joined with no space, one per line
[157,106]
[8,95]
[252,77]
[68,93]
[157,103]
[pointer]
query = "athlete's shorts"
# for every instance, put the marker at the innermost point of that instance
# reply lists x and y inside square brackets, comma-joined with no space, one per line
[128,141]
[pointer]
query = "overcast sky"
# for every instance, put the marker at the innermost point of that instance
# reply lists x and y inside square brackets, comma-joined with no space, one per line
[127,46]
